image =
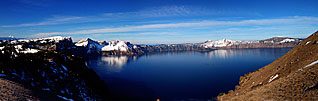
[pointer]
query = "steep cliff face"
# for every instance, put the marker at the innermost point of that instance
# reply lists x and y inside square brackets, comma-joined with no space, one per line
[90,46]
[293,76]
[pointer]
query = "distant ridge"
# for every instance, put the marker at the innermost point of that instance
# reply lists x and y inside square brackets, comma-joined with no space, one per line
[9,38]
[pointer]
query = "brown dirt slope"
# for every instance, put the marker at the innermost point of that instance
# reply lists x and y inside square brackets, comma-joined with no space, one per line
[14,91]
[284,79]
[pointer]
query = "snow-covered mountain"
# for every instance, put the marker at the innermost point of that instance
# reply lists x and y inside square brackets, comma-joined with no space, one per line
[119,46]
[109,48]
[221,43]
[89,44]
[65,44]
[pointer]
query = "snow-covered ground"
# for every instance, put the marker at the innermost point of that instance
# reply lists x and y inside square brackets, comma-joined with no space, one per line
[19,49]
[272,78]
[28,50]
[313,63]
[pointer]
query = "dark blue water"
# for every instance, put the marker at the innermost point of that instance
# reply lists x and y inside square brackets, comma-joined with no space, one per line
[179,75]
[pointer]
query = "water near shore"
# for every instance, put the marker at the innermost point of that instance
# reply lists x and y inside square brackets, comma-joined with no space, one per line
[179,75]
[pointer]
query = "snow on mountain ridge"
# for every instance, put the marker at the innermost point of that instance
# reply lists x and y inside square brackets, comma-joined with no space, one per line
[287,40]
[55,39]
[91,45]
[118,45]
[220,43]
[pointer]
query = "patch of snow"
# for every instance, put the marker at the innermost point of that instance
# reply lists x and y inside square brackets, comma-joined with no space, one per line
[307,42]
[62,91]
[2,47]
[287,40]
[18,46]
[56,38]
[28,50]
[14,42]
[15,74]
[272,78]
[46,89]
[1,75]
[32,84]
[43,74]
[82,44]
[313,63]
[24,40]
[65,98]
[64,68]
[43,41]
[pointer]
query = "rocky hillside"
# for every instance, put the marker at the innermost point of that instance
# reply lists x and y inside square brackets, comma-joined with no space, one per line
[64,76]
[293,76]
[14,91]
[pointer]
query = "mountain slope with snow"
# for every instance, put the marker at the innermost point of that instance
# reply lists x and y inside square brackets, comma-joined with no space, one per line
[121,47]
[91,45]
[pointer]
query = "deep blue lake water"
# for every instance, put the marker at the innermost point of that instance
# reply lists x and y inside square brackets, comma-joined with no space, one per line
[179,75]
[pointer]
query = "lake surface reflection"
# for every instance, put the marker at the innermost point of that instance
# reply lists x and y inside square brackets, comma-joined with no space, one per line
[179,75]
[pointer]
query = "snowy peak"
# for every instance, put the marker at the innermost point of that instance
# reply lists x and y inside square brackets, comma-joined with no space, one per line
[85,42]
[91,45]
[118,45]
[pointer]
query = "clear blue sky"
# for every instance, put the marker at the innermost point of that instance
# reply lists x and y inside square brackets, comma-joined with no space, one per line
[159,21]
